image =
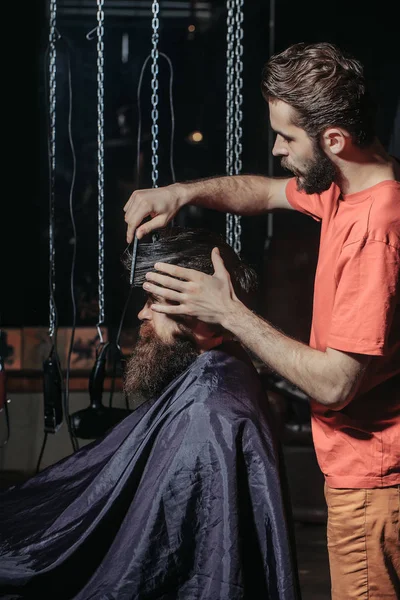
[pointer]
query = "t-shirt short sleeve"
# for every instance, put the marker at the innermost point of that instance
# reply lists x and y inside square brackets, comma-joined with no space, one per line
[309,204]
[368,290]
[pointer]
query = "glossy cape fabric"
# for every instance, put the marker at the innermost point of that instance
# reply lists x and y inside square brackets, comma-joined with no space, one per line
[180,501]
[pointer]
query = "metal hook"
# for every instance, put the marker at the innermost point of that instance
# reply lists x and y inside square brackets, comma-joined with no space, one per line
[100,334]
[8,401]
[90,35]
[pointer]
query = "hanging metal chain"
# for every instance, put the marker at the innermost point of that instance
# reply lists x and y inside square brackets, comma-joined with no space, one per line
[234,115]
[238,85]
[238,112]
[53,37]
[100,160]
[154,97]
[230,55]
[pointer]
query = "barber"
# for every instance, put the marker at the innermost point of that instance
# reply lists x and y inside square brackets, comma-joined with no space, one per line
[323,119]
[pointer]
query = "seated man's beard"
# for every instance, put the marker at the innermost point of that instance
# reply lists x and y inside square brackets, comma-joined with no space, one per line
[154,363]
[317,175]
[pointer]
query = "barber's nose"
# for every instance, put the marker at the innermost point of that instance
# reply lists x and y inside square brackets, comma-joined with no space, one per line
[146,313]
[279,148]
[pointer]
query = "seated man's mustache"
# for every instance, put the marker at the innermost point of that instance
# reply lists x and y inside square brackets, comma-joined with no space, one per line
[146,331]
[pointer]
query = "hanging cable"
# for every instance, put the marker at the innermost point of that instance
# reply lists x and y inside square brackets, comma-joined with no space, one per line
[234,114]
[171,106]
[154,161]
[100,183]
[39,461]
[135,241]
[154,55]
[98,371]
[73,438]
[54,392]
[4,401]
[95,420]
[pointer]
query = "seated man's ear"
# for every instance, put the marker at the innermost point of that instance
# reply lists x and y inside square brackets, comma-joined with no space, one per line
[207,336]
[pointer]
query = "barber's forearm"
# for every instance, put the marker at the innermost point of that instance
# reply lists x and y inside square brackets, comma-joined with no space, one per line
[308,369]
[240,194]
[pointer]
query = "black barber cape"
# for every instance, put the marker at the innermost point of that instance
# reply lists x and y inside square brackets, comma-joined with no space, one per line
[182,500]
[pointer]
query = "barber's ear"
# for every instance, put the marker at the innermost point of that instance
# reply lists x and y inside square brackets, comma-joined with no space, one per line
[334,140]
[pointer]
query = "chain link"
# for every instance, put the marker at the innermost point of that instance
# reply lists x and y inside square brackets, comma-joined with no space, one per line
[154,97]
[100,158]
[234,114]
[52,161]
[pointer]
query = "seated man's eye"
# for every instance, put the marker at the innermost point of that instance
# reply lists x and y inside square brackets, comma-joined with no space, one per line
[151,299]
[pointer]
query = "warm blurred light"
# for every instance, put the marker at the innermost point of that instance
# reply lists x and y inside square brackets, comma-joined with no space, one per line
[195,137]
[192,28]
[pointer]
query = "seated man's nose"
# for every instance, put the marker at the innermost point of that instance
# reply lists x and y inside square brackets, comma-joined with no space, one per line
[145,314]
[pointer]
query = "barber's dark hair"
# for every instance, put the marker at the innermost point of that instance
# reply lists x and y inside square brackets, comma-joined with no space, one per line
[325,86]
[191,248]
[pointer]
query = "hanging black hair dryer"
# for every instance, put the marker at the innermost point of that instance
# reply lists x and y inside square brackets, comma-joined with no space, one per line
[3,393]
[93,422]
[4,349]
[52,393]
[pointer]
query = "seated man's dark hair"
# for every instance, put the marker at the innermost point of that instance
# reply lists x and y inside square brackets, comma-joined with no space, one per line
[191,248]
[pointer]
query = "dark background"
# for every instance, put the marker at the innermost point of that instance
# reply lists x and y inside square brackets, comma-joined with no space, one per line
[286,268]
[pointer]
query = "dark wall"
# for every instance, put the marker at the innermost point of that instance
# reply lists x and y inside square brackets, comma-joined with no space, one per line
[286,267]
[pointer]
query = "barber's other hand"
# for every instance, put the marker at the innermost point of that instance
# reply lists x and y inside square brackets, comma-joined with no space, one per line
[161,204]
[210,298]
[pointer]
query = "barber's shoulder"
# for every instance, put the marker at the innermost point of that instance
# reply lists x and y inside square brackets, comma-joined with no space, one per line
[277,193]
[384,214]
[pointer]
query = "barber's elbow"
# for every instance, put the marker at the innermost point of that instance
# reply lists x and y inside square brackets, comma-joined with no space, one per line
[337,397]
[339,403]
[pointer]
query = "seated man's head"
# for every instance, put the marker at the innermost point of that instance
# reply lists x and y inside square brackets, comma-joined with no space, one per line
[168,345]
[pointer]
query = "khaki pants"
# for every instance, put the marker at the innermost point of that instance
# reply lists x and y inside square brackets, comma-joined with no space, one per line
[364,543]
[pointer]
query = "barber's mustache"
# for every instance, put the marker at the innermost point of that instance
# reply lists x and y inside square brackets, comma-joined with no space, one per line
[286,165]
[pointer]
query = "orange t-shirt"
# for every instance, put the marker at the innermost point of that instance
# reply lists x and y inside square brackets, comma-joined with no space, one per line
[357,309]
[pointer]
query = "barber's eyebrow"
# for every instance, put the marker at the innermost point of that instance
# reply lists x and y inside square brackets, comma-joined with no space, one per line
[284,135]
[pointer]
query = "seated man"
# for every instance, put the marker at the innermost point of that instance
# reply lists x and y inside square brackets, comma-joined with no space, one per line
[182,500]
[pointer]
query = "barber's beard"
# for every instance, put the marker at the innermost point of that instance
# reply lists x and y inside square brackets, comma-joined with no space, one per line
[154,363]
[317,174]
